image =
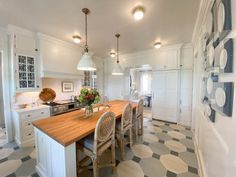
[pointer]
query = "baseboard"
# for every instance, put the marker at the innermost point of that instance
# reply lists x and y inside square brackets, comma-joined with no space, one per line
[164,121]
[201,163]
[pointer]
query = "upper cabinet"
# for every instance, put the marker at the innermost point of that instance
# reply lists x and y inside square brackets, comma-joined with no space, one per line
[25,63]
[168,59]
[186,60]
[58,58]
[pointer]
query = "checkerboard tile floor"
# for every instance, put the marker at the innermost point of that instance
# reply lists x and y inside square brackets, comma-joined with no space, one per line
[164,150]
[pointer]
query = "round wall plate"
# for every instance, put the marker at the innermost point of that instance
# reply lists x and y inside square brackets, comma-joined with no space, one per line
[221,17]
[211,55]
[209,24]
[208,110]
[223,58]
[220,97]
[209,85]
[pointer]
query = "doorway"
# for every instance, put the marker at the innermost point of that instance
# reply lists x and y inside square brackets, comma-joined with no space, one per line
[3,136]
[141,87]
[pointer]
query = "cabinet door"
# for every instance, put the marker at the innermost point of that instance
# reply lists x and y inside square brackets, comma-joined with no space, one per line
[161,63]
[26,72]
[186,97]
[25,42]
[172,59]
[171,96]
[158,90]
[187,58]
[165,95]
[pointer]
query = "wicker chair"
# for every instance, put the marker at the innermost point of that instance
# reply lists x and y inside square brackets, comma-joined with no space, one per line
[124,126]
[138,119]
[94,145]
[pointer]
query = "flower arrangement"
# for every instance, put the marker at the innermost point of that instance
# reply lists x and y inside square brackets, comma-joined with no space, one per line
[89,96]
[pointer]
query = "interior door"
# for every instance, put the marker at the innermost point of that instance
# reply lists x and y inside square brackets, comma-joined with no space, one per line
[165,95]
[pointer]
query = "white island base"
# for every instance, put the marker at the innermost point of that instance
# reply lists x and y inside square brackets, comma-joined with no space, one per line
[53,159]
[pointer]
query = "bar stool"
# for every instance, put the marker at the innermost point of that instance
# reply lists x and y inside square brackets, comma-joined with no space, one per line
[94,145]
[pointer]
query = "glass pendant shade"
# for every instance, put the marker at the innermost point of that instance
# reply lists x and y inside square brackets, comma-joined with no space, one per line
[86,63]
[117,70]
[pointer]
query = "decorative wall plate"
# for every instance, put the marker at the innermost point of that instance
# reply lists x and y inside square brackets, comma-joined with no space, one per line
[209,85]
[211,56]
[208,110]
[221,17]
[223,58]
[220,97]
[209,24]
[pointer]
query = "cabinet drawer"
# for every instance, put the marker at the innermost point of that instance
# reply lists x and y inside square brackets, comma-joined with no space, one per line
[42,113]
[27,123]
[28,133]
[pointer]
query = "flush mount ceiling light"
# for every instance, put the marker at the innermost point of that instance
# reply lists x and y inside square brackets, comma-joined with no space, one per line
[117,70]
[112,54]
[138,13]
[157,45]
[76,39]
[86,62]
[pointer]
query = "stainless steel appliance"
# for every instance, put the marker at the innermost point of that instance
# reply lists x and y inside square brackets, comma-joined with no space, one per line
[60,107]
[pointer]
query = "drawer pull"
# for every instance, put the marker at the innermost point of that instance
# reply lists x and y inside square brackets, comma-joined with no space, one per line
[29,123]
[29,134]
[28,115]
[42,112]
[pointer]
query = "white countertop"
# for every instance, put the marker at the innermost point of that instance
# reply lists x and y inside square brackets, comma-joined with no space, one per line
[31,108]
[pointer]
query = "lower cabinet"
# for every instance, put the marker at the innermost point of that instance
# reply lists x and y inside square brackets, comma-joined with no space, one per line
[24,131]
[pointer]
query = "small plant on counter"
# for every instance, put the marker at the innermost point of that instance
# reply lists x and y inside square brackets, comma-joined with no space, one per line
[89,96]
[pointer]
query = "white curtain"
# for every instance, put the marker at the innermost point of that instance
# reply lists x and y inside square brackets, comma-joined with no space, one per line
[145,82]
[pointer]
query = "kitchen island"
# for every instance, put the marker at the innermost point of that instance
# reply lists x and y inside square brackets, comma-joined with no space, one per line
[56,137]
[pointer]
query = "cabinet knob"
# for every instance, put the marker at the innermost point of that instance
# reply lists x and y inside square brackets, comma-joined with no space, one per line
[36,50]
[42,112]
[28,115]
[29,134]
[29,123]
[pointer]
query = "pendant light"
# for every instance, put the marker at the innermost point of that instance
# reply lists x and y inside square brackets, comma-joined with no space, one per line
[117,70]
[86,62]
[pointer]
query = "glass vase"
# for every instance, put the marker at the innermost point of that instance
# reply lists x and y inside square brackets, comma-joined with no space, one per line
[88,110]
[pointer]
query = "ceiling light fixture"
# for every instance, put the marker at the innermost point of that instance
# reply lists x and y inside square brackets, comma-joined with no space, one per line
[112,54]
[157,45]
[117,70]
[76,39]
[86,62]
[138,13]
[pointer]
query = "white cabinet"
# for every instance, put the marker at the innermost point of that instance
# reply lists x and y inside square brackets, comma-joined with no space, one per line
[23,42]
[165,95]
[186,60]
[167,60]
[58,58]
[26,72]
[186,97]
[25,62]
[24,131]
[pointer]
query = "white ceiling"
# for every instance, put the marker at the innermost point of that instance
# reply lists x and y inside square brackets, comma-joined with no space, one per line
[170,21]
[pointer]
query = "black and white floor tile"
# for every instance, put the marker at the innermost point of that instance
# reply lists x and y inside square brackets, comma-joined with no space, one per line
[164,150]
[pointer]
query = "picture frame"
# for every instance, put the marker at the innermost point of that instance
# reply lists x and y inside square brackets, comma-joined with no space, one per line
[67,86]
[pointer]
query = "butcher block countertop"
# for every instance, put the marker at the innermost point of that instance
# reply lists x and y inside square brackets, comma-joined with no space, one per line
[73,126]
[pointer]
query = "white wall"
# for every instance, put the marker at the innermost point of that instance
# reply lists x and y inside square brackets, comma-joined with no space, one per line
[216,142]
[53,83]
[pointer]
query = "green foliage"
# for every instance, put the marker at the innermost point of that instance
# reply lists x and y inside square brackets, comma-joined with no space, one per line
[89,96]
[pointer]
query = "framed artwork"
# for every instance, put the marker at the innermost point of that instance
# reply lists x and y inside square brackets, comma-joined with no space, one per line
[67,87]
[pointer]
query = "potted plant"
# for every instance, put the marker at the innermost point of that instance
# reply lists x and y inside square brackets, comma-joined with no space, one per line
[89,97]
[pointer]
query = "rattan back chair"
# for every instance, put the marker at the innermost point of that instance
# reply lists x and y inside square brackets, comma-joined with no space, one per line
[138,119]
[124,126]
[94,145]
